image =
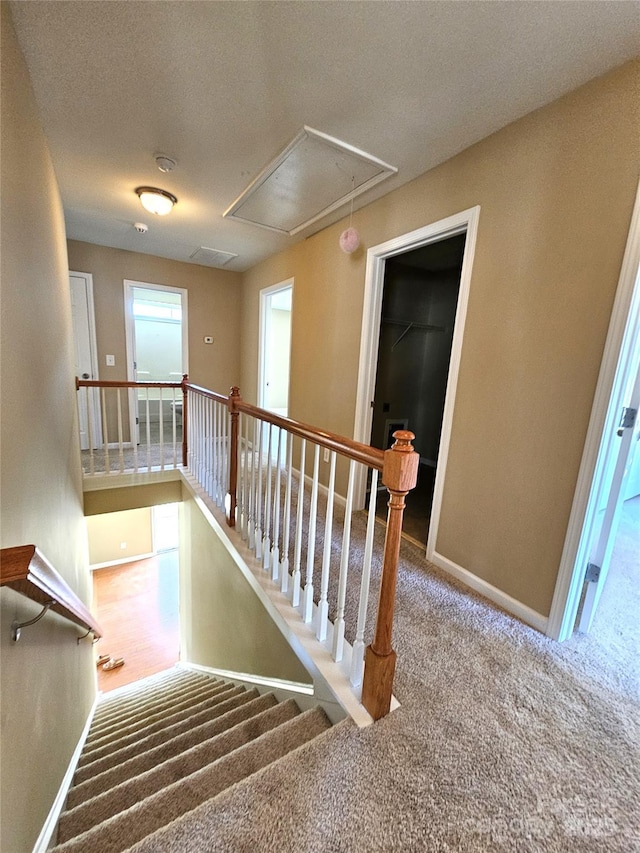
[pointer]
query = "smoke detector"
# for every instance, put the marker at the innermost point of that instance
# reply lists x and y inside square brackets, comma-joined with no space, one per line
[164,163]
[140,227]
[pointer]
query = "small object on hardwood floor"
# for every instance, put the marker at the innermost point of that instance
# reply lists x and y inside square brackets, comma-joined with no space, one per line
[102,659]
[113,663]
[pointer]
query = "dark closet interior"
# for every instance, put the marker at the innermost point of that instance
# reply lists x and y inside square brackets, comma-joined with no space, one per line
[420,299]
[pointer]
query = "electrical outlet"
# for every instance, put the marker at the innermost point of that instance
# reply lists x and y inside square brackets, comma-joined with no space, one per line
[123,545]
[325,456]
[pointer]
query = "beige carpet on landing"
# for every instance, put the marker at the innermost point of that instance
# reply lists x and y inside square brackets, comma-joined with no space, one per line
[505,741]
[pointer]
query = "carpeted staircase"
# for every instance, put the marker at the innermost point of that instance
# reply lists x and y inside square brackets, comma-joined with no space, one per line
[157,752]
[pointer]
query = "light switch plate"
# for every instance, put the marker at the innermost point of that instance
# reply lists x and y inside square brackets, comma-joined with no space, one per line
[111,361]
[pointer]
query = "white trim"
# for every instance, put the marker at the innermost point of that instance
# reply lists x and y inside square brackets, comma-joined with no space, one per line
[93,352]
[624,318]
[263,335]
[121,562]
[511,605]
[45,839]
[465,221]
[249,678]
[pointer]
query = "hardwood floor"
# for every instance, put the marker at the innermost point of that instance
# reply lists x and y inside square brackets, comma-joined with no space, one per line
[137,606]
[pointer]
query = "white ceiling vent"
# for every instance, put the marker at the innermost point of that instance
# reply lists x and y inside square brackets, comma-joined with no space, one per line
[313,176]
[211,257]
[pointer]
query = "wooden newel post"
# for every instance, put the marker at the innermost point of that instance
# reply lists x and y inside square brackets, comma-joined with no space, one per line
[185,447]
[233,456]
[399,475]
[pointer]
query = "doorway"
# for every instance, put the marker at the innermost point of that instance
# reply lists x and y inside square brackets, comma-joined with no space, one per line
[86,357]
[420,298]
[463,226]
[275,347]
[157,351]
[607,472]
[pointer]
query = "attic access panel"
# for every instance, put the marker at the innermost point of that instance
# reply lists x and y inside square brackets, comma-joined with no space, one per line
[313,176]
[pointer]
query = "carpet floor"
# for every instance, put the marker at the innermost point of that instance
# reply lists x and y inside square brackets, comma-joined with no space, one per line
[175,741]
[504,741]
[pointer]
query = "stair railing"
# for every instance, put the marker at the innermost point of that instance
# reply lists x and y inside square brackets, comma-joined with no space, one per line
[264,471]
[26,570]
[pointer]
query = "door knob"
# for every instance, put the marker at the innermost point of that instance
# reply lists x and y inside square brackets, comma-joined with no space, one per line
[85,376]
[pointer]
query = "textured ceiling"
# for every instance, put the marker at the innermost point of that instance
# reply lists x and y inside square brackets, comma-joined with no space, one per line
[223,86]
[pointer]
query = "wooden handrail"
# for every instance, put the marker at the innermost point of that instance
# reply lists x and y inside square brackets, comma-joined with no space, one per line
[26,570]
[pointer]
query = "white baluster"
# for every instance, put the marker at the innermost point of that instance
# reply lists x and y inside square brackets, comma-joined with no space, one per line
[266,539]
[90,399]
[297,554]
[147,410]
[338,627]
[120,442]
[323,604]
[212,448]
[275,556]
[226,443]
[252,495]
[357,654]
[161,415]
[105,431]
[284,565]
[259,495]
[307,609]
[173,427]
[242,475]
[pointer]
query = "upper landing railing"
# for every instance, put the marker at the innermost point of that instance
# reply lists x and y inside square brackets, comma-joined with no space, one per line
[290,490]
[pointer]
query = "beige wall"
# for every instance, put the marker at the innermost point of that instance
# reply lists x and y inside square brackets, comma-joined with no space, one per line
[132,497]
[48,680]
[224,624]
[109,531]
[556,190]
[214,309]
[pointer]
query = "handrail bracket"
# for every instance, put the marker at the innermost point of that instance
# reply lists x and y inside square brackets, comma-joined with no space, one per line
[16,627]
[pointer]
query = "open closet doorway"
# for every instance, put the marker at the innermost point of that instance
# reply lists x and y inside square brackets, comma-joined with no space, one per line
[416,294]
[157,351]
[419,302]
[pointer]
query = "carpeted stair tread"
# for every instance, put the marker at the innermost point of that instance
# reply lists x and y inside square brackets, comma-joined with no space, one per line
[150,697]
[154,710]
[190,761]
[128,827]
[125,747]
[161,719]
[155,685]
[166,747]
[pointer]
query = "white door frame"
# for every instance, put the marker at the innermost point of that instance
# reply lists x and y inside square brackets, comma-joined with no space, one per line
[129,284]
[265,322]
[463,222]
[96,425]
[605,414]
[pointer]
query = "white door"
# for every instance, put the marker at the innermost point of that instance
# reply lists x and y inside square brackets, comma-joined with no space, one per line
[622,445]
[157,350]
[274,359]
[275,347]
[86,359]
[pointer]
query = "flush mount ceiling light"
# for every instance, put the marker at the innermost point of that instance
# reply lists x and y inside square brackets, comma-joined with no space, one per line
[156,201]
[313,176]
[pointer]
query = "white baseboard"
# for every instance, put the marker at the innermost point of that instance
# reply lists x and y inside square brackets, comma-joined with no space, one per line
[250,678]
[45,838]
[121,562]
[511,605]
